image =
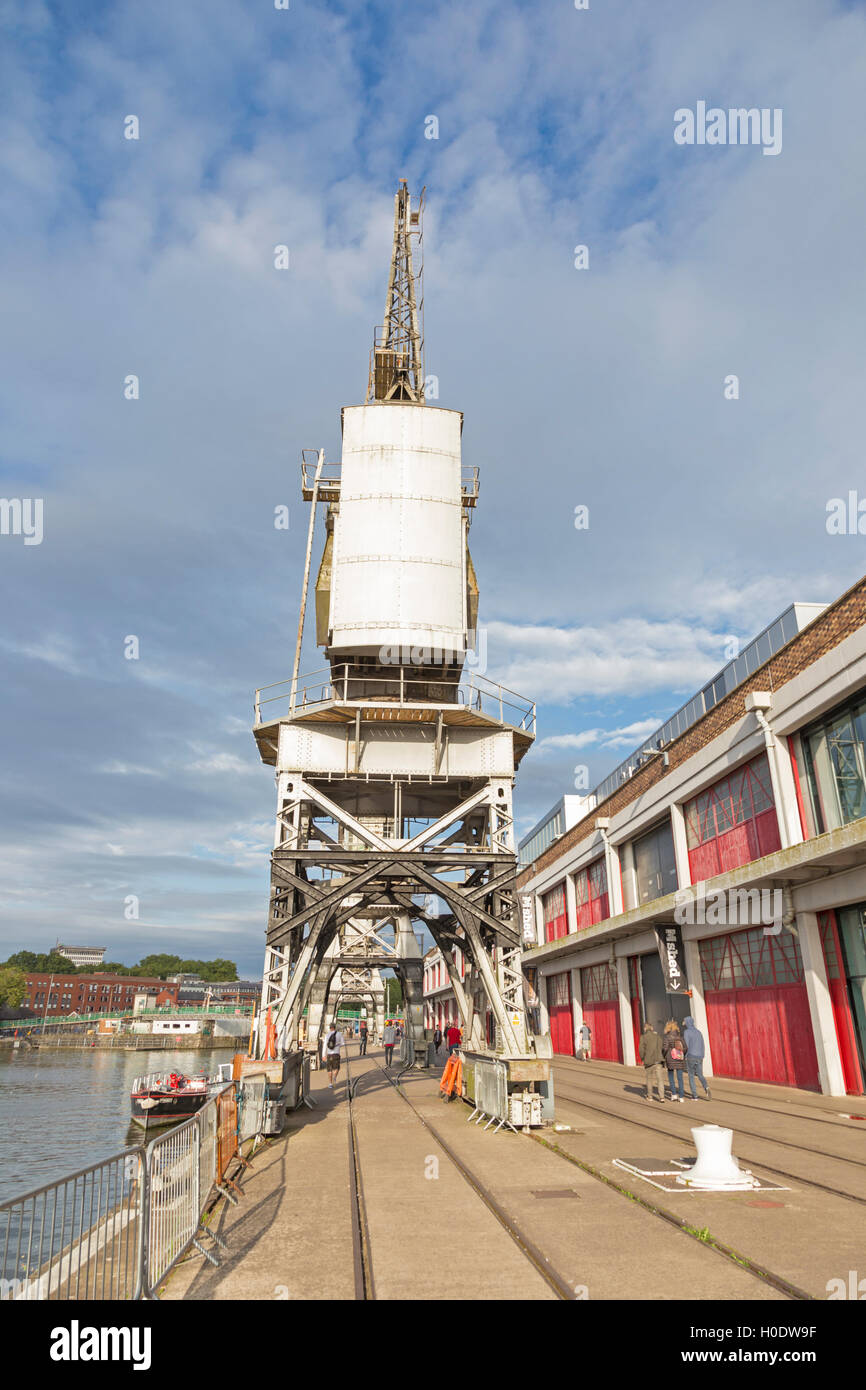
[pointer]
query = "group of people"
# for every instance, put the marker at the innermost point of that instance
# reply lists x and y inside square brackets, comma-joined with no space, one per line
[452,1037]
[678,1052]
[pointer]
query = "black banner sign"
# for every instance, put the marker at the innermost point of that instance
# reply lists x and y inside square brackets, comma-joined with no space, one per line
[670,940]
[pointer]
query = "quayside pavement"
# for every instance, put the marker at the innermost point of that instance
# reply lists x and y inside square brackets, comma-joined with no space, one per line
[811,1231]
[543,1226]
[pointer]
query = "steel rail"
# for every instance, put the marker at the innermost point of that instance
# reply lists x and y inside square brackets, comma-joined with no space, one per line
[786,1143]
[759,1162]
[528,1248]
[787,1112]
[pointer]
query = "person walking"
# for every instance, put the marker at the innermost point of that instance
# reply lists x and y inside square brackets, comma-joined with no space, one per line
[437,1038]
[334,1043]
[651,1054]
[586,1042]
[389,1037]
[674,1050]
[363,1037]
[695,1053]
[453,1037]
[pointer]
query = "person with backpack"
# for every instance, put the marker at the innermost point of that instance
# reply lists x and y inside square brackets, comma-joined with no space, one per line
[651,1054]
[674,1050]
[334,1042]
[695,1053]
[586,1042]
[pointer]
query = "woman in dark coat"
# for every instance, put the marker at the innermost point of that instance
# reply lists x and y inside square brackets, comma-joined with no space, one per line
[674,1051]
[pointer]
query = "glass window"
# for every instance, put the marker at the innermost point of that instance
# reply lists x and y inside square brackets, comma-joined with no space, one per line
[655,864]
[835,761]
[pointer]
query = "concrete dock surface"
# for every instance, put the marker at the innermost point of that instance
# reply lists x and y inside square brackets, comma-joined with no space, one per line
[430,1235]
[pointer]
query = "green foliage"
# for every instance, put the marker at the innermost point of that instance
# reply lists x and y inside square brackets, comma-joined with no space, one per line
[150,967]
[13,985]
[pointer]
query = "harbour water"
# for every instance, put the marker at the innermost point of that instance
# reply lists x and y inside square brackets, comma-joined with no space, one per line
[61,1110]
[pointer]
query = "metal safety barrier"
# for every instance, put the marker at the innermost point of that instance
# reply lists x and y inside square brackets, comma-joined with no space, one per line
[490,1093]
[81,1237]
[115,1230]
[251,1108]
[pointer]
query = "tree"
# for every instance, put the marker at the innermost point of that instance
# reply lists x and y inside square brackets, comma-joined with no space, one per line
[393,995]
[13,986]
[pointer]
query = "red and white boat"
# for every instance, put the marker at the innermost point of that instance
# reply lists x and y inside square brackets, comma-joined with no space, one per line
[163,1098]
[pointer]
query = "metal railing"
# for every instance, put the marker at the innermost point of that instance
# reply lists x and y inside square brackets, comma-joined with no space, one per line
[346,683]
[81,1237]
[116,1230]
[70,1021]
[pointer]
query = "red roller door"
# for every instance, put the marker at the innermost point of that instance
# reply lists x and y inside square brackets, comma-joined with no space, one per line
[758,1015]
[559,1009]
[600,1004]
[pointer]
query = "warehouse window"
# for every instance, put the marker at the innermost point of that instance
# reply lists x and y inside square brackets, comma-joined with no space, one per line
[732,822]
[590,889]
[655,864]
[835,757]
[553,905]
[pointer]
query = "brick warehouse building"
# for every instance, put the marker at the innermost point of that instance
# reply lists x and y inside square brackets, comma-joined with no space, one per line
[90,994]
[756,787]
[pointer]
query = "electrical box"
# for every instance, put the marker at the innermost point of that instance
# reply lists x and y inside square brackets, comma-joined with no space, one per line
[274,1116]
[525,1109]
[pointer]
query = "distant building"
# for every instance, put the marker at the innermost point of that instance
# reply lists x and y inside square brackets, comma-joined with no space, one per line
[222,992]
[83,955]
[59,995]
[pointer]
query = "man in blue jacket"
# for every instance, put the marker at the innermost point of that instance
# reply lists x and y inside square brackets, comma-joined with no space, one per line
[694,1041]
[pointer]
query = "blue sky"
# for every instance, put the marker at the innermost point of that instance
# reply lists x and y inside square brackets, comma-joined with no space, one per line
[601,387]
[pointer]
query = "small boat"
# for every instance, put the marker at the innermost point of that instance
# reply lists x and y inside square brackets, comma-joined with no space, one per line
[163,1098]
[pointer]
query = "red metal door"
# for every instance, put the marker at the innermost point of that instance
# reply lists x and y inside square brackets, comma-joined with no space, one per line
[559,1009]
[758,1015]
[763,1035]
[603,1019]
[845,1034]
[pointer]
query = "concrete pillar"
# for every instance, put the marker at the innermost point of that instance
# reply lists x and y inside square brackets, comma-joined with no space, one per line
[316,1009]
[576,1005]
[411,961]
[542,1000]
[681,848]
[697,1007]
[629,881]
[789,809]
[625,1022]
[830,1071]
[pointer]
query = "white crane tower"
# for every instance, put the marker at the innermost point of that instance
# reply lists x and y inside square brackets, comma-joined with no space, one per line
[394,765]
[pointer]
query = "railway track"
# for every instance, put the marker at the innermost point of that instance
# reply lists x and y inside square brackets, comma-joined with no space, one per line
[579,1100]
[562,1289]
[784,1110]
[364,1282]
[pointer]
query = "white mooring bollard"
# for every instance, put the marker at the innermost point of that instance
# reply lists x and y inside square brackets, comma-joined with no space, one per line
[716,1169]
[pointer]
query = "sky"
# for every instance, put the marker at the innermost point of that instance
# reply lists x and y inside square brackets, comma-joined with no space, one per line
[601,387]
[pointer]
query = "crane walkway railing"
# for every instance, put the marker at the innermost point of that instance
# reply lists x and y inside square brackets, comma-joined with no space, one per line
[470,691]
